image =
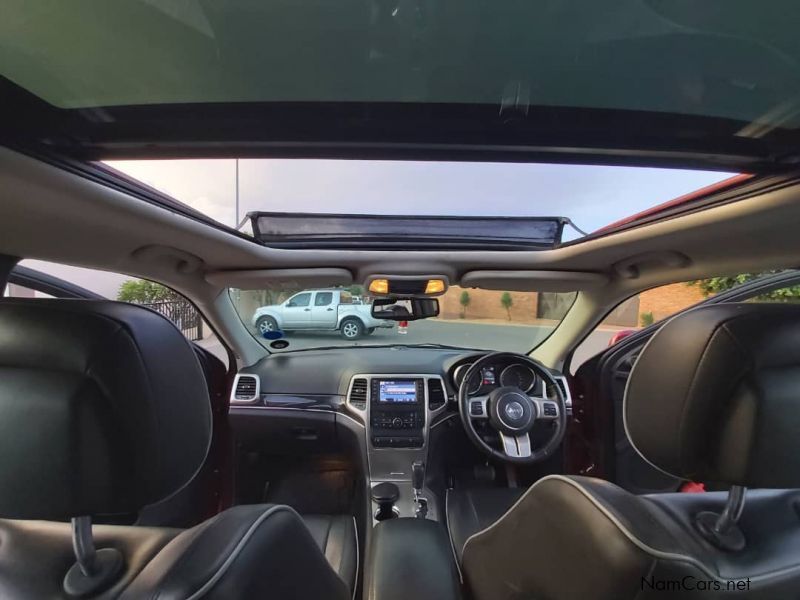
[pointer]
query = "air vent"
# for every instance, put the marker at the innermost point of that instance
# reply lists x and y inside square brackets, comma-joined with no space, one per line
[358,394]
[436,396]
[562,383]
[246,388]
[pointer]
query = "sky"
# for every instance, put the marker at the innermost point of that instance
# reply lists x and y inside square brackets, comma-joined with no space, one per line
[591,196]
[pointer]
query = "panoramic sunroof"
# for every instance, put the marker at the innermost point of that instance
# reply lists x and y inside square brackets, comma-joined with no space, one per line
[584,198]
[717,58]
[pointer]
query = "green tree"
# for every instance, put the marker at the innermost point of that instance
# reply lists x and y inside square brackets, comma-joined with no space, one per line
[141,291]
[356,290]
[464,301]
[507,301]
[646,319]
[715,285]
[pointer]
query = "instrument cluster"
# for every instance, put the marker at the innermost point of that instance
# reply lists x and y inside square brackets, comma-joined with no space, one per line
[512,374]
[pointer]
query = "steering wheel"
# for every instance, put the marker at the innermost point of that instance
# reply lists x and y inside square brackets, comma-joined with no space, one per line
[512,413]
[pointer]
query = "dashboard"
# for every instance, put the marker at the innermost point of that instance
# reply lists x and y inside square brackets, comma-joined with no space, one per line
[390,407]
[320,379]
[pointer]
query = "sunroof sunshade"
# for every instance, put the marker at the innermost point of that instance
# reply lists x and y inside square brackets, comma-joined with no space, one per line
[294,230]
[721,58]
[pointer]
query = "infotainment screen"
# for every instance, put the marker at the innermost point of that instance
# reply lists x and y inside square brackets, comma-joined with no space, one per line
[398,392]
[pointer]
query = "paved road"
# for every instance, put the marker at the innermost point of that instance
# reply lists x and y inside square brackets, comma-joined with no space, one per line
[485,336]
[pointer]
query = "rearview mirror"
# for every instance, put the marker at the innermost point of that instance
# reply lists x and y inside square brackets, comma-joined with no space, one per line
[405,309]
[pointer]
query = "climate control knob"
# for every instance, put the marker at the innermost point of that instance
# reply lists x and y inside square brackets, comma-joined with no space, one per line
[397,423]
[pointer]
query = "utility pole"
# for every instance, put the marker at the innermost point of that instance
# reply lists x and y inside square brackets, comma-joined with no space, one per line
[236,224]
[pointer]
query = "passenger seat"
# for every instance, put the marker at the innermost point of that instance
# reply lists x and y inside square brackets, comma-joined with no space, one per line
[104,410]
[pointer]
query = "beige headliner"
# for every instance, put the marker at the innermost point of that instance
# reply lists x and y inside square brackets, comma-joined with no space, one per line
[49,214]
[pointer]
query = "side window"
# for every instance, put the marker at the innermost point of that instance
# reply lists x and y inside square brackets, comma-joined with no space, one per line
[116,286]
[300,300]
[323,298]
[14,290]
[636,313]
[659,303]
[772,287]
[784,295]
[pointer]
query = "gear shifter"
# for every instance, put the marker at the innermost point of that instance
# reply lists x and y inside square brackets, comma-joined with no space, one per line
[418,483]
[418,475]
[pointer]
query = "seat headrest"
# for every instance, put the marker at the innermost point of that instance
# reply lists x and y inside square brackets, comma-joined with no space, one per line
[103,408]
[715,396]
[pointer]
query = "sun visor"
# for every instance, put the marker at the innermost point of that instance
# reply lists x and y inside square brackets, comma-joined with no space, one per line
[256,279]
[529,281]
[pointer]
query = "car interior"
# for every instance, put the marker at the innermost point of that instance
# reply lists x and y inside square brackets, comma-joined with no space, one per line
[418,392]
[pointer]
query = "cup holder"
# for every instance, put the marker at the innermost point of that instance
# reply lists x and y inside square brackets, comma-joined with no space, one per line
[383,515]
[385,494]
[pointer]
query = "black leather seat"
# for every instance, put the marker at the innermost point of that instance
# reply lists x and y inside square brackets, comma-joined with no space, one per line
[714,396]
[472,510]
[104,410]
[336,536]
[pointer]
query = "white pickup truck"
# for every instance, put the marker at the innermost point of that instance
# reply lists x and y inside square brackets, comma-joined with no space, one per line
[319,310]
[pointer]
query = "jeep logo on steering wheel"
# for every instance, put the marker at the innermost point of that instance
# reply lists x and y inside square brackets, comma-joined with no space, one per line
[514,410]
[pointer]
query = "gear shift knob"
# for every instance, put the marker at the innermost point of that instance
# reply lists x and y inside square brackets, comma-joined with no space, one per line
[418,482]
[418,475]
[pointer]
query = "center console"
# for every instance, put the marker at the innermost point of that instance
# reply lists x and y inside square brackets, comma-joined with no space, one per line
[410,558]
[397,411]
[409,552]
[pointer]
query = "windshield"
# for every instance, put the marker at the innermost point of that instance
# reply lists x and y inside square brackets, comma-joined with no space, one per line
[468,318]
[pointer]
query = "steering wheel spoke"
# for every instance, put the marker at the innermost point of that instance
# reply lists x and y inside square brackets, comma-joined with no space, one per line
[516,446]
[546,409]
[479,407]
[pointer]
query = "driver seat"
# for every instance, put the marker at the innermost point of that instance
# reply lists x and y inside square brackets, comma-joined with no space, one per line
[713,397]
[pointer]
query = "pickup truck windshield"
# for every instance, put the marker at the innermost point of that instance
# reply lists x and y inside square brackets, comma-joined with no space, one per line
[469,318]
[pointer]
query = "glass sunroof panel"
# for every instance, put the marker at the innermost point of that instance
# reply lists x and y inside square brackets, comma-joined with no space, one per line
[591,196]
[719,58]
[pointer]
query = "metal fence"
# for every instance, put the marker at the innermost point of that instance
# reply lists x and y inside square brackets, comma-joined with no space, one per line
[183,314]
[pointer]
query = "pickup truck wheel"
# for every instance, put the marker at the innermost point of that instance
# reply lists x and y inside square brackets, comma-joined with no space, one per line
[352,329]
[265,324]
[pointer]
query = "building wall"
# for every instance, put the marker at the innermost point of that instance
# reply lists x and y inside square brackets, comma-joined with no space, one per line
[17,291]
[667,300]
[662,302]
[485,304]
